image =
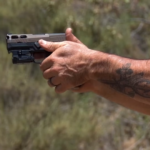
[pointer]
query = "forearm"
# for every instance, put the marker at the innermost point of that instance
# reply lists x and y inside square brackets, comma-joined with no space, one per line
[124,81]
[122,99]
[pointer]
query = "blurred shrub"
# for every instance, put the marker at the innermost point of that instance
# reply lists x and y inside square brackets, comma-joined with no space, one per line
[95,22]
[32,116]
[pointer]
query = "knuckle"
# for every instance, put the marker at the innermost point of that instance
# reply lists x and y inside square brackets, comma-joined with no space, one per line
[45,75]
[60,89]
[52,58]
[55,80]
[41,67]
[50,84]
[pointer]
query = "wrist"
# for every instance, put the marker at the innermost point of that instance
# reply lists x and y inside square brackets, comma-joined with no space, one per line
[104,68]
[100,66]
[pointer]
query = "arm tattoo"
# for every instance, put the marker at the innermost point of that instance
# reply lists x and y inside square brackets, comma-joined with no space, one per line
[130,83]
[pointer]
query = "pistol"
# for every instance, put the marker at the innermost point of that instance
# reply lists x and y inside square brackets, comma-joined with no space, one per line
[26,49]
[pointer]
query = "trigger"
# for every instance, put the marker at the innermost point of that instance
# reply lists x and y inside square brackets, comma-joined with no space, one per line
[37,45]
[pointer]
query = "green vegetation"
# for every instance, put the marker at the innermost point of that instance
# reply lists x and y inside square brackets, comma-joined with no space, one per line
[33,116]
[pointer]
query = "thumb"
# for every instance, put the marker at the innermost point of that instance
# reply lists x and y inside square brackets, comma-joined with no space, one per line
[71,37]
[50,46]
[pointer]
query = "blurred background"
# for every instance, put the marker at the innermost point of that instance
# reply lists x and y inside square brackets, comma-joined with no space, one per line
[33,116]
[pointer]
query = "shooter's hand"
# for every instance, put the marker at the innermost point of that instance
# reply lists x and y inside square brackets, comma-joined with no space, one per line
[68,65]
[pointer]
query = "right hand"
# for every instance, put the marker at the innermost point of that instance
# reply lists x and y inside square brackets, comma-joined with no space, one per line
[88,86]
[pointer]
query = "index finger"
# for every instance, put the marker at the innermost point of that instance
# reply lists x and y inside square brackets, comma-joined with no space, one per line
[51,46]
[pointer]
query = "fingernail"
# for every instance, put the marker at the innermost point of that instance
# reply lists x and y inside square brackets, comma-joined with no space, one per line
[42,42]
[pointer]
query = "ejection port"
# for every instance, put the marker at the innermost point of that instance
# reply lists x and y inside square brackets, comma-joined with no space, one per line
[23,36]
[14,37]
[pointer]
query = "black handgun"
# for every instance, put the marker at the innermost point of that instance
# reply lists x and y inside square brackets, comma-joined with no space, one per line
[26,49]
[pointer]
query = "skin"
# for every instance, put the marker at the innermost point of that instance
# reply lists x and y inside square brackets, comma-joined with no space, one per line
[73,66]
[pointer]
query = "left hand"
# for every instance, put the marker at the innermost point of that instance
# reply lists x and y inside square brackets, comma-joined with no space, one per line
[67,66]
